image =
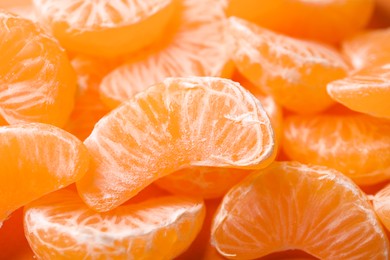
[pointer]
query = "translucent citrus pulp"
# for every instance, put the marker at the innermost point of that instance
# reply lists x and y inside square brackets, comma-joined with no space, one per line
[366,91]
[37,82]
[356,145]
[105,28]
[295,206]
[194,45]
[181,122]
[60,225]
[293,71]
[326,21]
[36,159]
[382,205]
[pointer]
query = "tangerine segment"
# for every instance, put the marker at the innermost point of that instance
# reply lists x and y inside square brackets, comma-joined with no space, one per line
[60,226]
[367,91]
[181,122]
[37,82]
[106,28]
[294,72]
[194,45]
[328,21]
[368,49]
[348,143]
[204,182]
[382,206]
[295,206]
[36,159]
[23,8]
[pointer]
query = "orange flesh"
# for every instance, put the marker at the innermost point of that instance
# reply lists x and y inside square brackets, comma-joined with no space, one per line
[189,122]
[294,206]
[60,224]
[325,21]
[106,29]
[356,145]
[36,159]
[294,72]
[37,82]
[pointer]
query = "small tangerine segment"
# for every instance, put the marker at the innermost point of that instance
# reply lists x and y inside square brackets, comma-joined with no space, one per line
[295,206]
[36,159]
[60,226]
[37,82]
[106,28]
[348,143]
[294,72]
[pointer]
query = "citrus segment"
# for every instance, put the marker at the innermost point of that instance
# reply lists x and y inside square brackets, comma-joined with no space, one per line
[37,82]
[36,159]
[367,49]
[22,8]
[193,46]
[348,143]
[295,206]
[181,122]
[366,91]
[106,28]
[382,206]
[294,72]
[327,21]
[60,225]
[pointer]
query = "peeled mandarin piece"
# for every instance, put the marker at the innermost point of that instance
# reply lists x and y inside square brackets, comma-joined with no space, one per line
[294,72]
[37,82]
[105,28]
[367,91]
[381,202]
[295,206]
[356,145]
[327,21]
[367,49]
[193,45]
[36,159]
[181,122]
[23,8]
[204,182]
[60,226]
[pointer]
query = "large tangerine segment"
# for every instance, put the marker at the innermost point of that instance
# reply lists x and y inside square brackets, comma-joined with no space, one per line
[367,91]
[356,145]
[367,49]
[328,21]
[37,82]
[106,28]
[60,225]
[293,71]
[181,122]
[295,206]
[194,45]
[36,159]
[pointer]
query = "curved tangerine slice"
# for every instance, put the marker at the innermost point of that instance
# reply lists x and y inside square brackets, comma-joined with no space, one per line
[327,21]
[36,159]
[211,182]
[23,8]
[105,28]
[367,49]
[295,206]
[194,46]
[37,82]
[381,202]
[60,224]
[181,122]
[294,72]
[366,91]
[348,143]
